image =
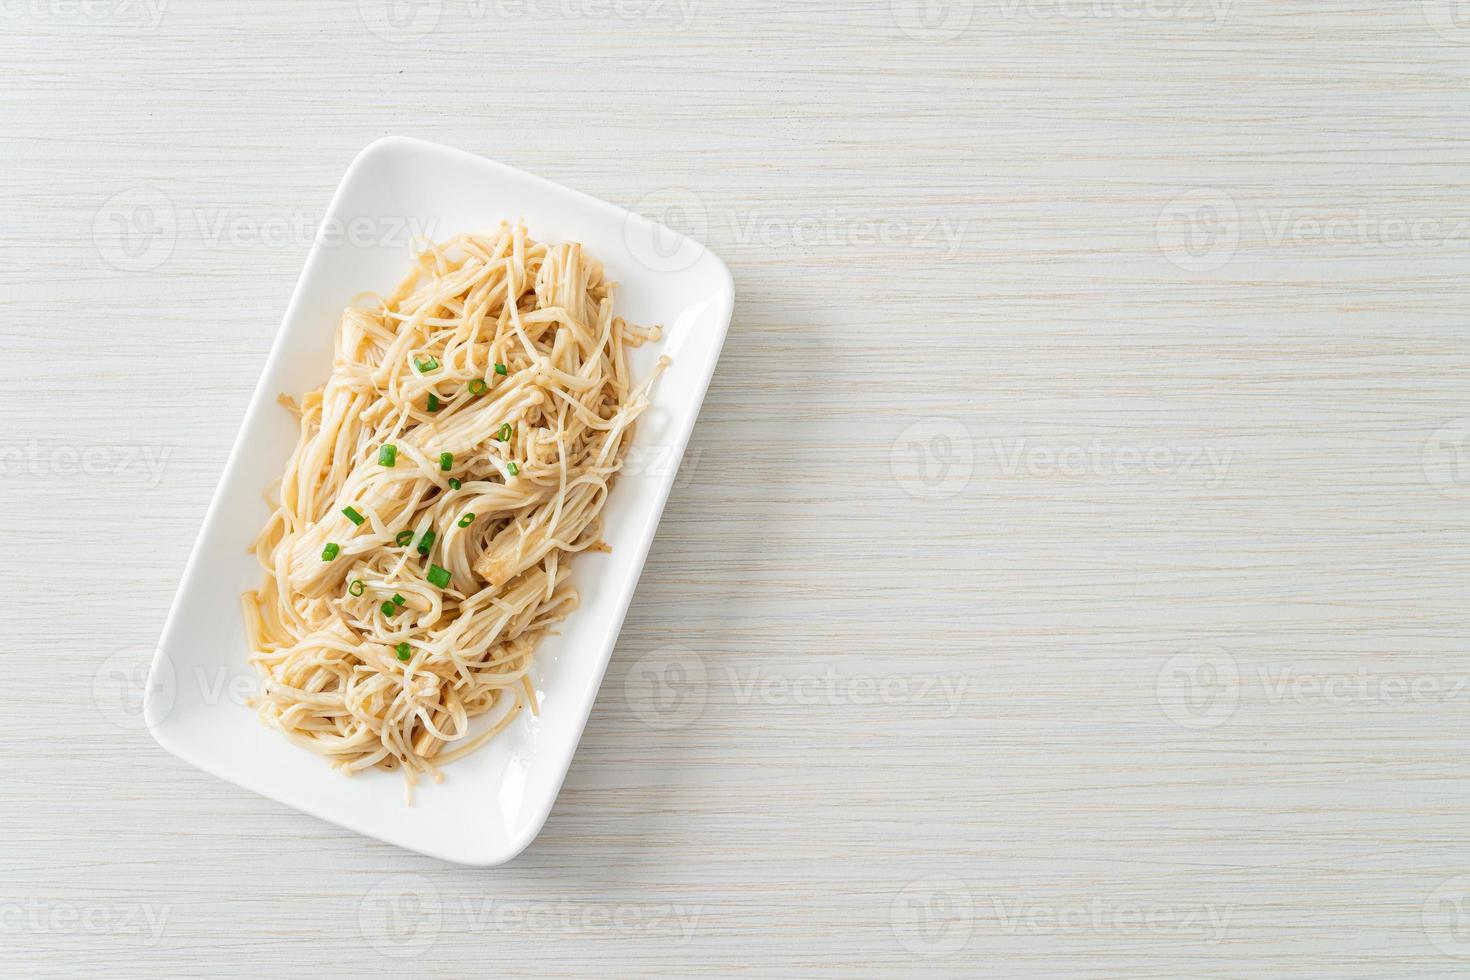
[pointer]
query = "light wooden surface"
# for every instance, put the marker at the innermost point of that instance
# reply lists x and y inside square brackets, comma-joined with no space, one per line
[1069,574]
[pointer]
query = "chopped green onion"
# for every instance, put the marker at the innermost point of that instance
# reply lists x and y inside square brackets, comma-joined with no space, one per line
[454,484]
[513,468]
[504,434]
[404,537]
[353,516]
[467,520]
[433,402]
[500,369]
[403,651]
[427,364]
[357,587]
[388,608]
[426,542]
[439,576]
[330,551]
[388,455]
[477,386]
[446,461]
[398,600]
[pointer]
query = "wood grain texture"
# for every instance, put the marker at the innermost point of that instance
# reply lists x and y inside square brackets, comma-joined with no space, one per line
[1068,575]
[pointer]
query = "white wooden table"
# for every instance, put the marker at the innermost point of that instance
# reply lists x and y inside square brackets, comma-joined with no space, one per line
[1070,572]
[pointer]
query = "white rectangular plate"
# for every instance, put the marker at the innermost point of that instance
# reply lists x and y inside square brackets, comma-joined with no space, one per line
[493,803]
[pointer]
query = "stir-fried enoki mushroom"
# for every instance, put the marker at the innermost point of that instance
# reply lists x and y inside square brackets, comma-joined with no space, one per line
[461,451]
